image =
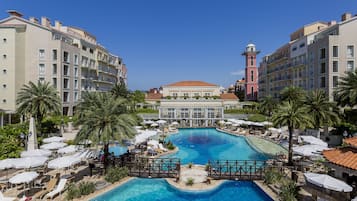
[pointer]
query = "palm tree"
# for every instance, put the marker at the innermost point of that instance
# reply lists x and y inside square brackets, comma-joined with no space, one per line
[268,104]
[293,115]
[38,100]
[104,118]
[320,109]
[346,92]
[292,94]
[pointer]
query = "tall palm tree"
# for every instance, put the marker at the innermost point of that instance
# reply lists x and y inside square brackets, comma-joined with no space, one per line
[292,94]
[293,115]
[37,100]
[320,108]
[346,92]
[268,104]
[104,118]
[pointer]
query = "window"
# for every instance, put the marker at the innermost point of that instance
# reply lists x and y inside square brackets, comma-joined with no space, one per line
[65,70]
[75,72]
[335,51]
[54,69]
[54,82]
[76,59]
[322,82]
[335,66]
[76,84]
[322,53]
[252,76]
[65,97]
[334,81]
[41,69]
[41,54]
[251,60]
[66,57]
[54,55]
[66,83]
[350,65]
[322,68]
[350,52]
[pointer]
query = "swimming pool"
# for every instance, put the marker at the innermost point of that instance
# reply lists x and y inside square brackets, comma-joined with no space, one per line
[159,189]
[198,145]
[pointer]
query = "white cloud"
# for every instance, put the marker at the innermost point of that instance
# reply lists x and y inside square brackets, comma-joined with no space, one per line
[238,73]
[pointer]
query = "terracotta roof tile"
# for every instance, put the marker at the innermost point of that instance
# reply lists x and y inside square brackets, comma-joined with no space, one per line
[191,84]
[351,141]
[229,96]
[153,96]
[346,157]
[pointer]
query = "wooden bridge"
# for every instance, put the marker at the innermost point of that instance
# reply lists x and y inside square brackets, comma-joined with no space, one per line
[236,169]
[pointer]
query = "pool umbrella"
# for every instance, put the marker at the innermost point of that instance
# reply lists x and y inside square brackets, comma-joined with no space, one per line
[53,139]
[53,145]
[36,152]
[29,162]
[25,177]
[328,182]
[68,149]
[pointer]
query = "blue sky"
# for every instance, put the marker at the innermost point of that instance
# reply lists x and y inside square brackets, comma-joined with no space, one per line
[164,41]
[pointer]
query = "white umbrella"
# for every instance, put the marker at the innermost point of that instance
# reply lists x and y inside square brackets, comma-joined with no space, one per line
[174,123]
[29,162]
[309,150]
[53,145]
[63,162]
[36,152]
[7,163]
[313,140]
[24,177]
[326,181]
[68,149]
[154,125]
[161,121]
[53,139]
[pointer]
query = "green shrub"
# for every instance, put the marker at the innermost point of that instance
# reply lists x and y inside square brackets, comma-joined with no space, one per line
[115,174]
[190,181]
[86,188]
[73,192]
[257,118]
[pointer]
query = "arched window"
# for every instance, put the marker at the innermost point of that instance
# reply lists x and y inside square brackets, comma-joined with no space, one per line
[251,60]
[252,76]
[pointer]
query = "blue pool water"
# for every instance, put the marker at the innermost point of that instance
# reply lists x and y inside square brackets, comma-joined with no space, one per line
[160,190]
[203,144]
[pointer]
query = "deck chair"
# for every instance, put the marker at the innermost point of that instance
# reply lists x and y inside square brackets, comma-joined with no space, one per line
[3,198]
[49,187]
[59,189]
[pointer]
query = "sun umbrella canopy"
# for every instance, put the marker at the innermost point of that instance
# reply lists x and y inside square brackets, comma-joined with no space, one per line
[326,181]
[36,152]
[53,145]
[24,177]
[7,163]
[314,140]
[63,162]
[53,139]
[68,149]
[29,162]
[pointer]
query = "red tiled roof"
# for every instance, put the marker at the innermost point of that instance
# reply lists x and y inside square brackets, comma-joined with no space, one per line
[229,96]
[153,96]
[346,157]
[191,84]
[351,141]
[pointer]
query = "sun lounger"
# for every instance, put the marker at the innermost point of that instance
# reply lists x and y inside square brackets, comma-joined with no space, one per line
[59,189]
[3,198]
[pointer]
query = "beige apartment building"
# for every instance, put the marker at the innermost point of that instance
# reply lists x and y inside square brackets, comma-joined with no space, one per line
[315,57]
[70,58]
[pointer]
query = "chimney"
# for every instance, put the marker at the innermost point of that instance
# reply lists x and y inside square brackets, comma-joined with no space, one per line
[45,22]
[333,22]
[34,20]
[58,25]
[14,13]
[346,16]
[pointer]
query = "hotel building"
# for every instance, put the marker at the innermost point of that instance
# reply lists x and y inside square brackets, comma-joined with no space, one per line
[314,58]
[192,103]
[69,58]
